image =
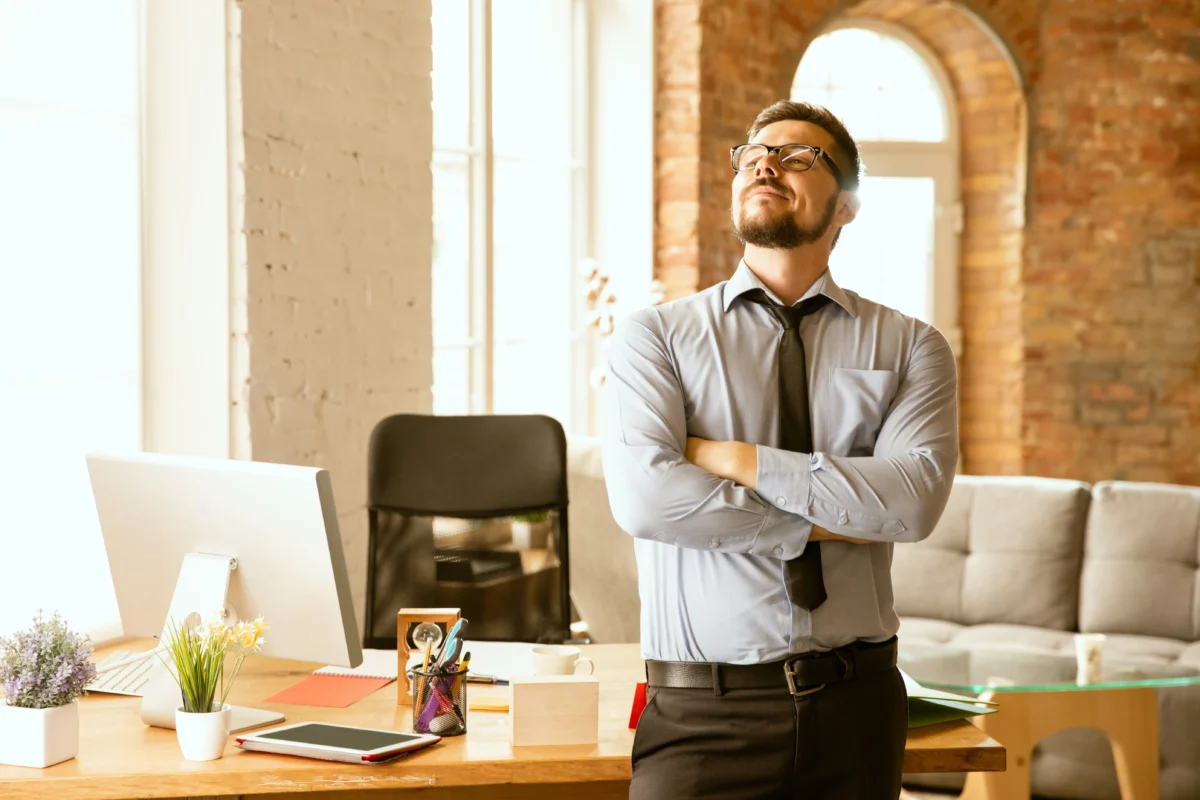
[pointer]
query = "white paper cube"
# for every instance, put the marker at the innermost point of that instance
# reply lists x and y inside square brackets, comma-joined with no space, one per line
[38,737]
[555,709]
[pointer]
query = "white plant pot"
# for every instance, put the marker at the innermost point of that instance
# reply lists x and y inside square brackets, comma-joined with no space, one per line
[527,535]
[202,737]
[38,737]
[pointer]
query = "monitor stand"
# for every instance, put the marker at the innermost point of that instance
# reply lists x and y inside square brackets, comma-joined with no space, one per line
[203,587]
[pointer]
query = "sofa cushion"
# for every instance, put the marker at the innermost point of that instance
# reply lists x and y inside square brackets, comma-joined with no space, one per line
[1140,561]
[1126,647]
[1191,656]
[927,631]
[1018,638]
[1006,550]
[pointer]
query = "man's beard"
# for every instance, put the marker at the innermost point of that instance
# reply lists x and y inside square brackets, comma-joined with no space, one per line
[781,231]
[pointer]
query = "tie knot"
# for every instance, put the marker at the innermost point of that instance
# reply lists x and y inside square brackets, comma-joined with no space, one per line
[789,316]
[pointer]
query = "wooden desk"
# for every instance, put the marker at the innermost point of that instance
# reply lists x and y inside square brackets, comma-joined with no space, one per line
[120,757]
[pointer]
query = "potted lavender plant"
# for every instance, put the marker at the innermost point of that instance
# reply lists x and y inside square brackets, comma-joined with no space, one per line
[43,670]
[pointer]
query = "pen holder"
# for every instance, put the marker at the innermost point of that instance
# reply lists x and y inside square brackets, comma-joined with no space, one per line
[439,702]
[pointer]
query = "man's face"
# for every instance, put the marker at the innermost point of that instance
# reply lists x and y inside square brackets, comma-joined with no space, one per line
[779,208]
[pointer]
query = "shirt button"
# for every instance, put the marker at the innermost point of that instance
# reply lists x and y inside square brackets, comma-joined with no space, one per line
[778,551]
[781,501]
[716,542]
[843,518]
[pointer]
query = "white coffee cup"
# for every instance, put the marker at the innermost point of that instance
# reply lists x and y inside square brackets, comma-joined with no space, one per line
[559,659]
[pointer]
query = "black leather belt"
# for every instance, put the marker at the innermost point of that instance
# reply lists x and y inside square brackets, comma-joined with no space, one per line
[802,674]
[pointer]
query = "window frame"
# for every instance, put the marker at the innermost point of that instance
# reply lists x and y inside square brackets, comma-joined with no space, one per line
[480,159]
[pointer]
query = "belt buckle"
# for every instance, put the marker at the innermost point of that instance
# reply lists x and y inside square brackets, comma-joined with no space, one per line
[790,672]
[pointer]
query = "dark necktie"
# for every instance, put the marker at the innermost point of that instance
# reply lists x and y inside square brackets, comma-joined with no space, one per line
[805,584]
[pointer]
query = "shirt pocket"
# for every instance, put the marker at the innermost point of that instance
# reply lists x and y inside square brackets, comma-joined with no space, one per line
[859,402]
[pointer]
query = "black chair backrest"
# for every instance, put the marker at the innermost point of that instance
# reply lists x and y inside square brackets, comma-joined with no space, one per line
[469,466]
[422,466]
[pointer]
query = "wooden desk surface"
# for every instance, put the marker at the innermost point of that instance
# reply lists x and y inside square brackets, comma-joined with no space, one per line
[120,757]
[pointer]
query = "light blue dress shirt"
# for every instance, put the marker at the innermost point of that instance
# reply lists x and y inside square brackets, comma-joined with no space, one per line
[710,552]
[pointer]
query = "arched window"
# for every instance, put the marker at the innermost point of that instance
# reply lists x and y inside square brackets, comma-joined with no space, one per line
[891,92]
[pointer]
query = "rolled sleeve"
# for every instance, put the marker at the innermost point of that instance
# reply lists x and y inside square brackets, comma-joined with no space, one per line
[783,535]
[783,479]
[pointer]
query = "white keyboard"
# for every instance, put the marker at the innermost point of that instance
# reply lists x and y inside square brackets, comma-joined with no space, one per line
[129,680]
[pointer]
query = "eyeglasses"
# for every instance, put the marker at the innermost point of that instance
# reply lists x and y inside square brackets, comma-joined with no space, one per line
[793,157]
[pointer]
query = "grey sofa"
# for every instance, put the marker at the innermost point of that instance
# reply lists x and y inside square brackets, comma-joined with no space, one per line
[1014,568]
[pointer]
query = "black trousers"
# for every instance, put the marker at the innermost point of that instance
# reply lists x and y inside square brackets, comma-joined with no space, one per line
[844,742]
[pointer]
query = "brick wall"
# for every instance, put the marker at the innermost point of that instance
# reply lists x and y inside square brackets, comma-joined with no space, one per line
[992,133]
[1080,290]
[677,145]
[1112,293]
[338,236]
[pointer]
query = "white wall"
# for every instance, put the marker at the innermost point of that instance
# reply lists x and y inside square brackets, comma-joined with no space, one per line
[287,233]
[337,127]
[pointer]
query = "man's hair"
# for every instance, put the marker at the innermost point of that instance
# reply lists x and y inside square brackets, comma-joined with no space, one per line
[848,159]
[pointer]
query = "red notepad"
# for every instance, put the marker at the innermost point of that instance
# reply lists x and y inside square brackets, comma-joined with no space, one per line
[639,705]
[331,691]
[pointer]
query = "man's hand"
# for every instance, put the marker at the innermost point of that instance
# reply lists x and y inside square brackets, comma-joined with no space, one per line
[819,534]
[738,462]
[735,461]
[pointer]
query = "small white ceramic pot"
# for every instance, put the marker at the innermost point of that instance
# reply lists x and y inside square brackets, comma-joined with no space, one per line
[202,737]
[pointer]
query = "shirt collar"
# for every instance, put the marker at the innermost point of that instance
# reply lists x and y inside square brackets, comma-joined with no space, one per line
[744,280]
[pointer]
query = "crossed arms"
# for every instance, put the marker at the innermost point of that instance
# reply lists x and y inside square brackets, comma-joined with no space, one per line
[745,498]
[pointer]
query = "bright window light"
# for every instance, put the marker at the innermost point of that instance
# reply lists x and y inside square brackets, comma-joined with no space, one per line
[69,296]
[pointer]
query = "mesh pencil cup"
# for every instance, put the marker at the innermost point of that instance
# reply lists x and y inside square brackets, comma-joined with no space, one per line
[440,702]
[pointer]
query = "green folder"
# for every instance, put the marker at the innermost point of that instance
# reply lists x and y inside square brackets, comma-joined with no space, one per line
[930,706]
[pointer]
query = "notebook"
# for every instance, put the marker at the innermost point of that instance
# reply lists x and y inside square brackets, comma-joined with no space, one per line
[329,691]
[339,687]
[375,664]
[930,706]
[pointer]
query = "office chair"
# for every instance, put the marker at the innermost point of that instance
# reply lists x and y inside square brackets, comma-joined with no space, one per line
[465,467]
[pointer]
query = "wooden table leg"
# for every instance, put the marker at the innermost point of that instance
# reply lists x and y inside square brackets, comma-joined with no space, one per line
[1131,722]
[1129,717]
[1011,727]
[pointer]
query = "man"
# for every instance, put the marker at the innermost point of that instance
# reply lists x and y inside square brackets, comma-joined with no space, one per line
[767,441]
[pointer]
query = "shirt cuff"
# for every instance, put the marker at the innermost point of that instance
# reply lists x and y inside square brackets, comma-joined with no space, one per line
[784,478]
[782,535]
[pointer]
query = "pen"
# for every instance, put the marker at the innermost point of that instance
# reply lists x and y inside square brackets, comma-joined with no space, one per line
[475,677]
[462,672]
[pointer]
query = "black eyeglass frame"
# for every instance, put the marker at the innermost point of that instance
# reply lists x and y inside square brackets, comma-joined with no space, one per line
[819,153]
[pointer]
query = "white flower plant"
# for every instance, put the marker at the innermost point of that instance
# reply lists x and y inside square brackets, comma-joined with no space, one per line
[196,654]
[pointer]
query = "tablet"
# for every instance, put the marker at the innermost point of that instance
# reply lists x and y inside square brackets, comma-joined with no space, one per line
[334,742]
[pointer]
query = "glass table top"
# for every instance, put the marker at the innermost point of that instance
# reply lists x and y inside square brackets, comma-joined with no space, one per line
[999,670]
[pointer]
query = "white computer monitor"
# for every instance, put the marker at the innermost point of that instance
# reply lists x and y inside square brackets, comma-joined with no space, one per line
[185,534]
